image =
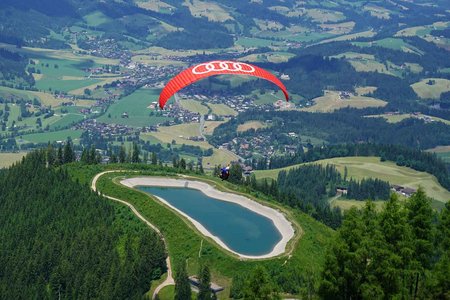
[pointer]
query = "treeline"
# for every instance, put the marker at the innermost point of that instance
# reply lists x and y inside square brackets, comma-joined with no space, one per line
[61,240]
[402,252]
[374,189]
[63,154]
[308,188]
[338,128]
[412,158]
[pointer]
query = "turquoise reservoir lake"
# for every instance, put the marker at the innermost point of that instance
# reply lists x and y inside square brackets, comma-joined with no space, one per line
[241,229]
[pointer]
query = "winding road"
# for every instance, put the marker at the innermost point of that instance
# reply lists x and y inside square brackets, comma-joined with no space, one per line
[169,280]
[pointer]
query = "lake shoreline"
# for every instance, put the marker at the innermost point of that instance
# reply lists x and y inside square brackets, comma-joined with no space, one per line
[279,220]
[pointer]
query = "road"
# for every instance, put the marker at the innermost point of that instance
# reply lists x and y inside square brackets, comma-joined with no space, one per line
[169,280]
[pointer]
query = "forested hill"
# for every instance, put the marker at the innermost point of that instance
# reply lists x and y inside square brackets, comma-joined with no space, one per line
[60,240]
[343,126]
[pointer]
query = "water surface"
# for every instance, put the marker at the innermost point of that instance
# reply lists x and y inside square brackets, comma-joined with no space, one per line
[241,229]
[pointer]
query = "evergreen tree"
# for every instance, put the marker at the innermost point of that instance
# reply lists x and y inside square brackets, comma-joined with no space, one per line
[204,288]
[259,286]
[235,173]
[175,162]
[122,155]
[182,285]
[84,156]
[135,155]
[68,154]
[92,155]
[182,164]
[439,284]
[59,156]
[154,158]
[51,155]
[420,217]
[398,240]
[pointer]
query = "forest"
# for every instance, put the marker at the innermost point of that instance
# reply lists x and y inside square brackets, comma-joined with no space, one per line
[12,67]
[338,128]
[402,252]
[61,240]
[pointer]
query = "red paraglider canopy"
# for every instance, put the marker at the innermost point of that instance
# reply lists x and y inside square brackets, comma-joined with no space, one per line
[217,67]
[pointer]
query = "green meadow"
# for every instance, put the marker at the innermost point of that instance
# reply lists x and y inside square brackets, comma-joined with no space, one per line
[54,136]
[63,74]
[136,106]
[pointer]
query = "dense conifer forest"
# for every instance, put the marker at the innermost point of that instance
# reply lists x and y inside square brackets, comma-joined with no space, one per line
[59,240]
[402,252]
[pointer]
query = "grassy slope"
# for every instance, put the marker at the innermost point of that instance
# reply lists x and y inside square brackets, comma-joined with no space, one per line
[426,91]
[331,101]
[194,106]
[53,136]
[184,240]
[251,125]
[136,105]
[363,167]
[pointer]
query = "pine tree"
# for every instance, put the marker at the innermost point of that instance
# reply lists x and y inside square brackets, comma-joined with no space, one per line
[68,154]
[92,155]
[420,218]
[398,240]
[51,155]
[439,284]
[154,158]
[259,286]
[235,173]
[182,164]
[59,156]
[135,155]
[122,155]
[182,285]
[84,156]
[204,287]
[174,162]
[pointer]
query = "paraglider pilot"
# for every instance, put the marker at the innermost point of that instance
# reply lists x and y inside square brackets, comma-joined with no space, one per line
[225,172]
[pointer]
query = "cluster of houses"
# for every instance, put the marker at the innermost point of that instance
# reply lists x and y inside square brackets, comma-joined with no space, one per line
[179,113]
[110,131]
[246,147]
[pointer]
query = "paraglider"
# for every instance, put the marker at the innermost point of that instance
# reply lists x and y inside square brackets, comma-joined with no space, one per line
[225,172]
[212,68]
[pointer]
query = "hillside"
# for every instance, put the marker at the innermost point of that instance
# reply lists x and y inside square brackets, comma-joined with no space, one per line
[66,241]
[366,167]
